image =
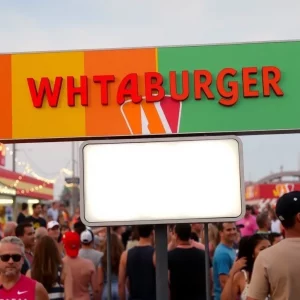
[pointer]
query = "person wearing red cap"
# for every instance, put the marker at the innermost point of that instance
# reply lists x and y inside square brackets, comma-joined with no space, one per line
[87,275]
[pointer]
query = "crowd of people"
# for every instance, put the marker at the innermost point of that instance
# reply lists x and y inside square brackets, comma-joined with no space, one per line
[51,255]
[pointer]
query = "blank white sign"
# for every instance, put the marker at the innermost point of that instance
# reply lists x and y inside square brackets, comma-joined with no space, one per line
[171,180]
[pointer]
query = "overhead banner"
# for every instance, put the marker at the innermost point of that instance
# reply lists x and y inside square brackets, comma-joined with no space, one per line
[217,88]
[270,190]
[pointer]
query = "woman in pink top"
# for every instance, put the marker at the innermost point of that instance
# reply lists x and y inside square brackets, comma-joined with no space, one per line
[14,285]
[249,223]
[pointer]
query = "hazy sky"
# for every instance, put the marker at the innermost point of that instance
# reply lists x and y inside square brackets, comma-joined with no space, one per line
[34,25]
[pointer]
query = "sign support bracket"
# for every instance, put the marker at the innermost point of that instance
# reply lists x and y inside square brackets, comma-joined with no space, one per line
[108,275]
[207,266]
[161,251]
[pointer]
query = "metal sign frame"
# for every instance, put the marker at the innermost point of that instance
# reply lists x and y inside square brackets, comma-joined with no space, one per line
[163,138]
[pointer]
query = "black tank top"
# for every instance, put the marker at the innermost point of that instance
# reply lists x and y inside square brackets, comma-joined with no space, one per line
[141,273]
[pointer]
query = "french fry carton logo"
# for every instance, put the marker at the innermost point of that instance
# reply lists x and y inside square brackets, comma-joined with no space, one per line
[161,117]
[281,189]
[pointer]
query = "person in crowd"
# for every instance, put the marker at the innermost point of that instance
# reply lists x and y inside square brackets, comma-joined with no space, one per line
[116,251]
[83,270]
[101,232]
[196,234]
[35,219]
[76,215]
[137,265]
[53,212]
[134,238]
[79,227]
[87,251]
[240,274]
[213,239]
[64,216]
[119,231]
[238,237]
[87,248]
[48,269]
[97,244]
[53,228]
[276,269]
[194,240]
[25,232]
[186,267]
[264,223]
[14,285]
[224,257]
[9,229]
[23,214]
[275,237]
[249,223]
[44,210]
[126,235]
[64,228]
[39,233]
[275,223]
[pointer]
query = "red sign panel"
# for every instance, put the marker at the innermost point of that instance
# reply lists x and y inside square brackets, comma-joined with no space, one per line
[270,191]
[2,154]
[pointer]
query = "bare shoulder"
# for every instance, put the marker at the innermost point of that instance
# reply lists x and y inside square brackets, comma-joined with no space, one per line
[124,256]
[40,292]
[66,268]
[239,277]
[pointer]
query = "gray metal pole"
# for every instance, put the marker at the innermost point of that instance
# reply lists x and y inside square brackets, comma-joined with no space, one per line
[108,275]
[73,204]
[14,157]
[161,250]
[207,266]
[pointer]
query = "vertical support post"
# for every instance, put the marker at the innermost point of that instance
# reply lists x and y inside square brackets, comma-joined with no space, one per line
[207,266]
[108,275]
[161,250]
[14,157]
[73,204]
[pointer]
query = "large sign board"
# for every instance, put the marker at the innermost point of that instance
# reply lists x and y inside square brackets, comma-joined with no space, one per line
[206,89]
[161,180]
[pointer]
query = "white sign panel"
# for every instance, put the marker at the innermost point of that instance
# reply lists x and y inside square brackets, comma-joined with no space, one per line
[161,181]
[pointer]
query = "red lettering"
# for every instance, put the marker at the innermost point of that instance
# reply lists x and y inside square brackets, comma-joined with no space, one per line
[154,90]
[104,80]
[273,83]
[204,86]
[230,97]
[185,85]
[81,90]
[37,97]
[248,82]
[129,88]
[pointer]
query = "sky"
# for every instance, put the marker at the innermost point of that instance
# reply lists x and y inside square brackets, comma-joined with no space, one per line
[34,25]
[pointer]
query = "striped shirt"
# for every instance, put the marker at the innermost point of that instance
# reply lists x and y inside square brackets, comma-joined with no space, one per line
[57,291]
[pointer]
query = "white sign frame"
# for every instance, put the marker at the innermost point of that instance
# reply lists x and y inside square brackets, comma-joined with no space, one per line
[162,138]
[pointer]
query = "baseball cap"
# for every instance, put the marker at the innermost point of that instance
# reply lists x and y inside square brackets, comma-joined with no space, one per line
[52,224]
[71,241]
[86,237]
[288,206]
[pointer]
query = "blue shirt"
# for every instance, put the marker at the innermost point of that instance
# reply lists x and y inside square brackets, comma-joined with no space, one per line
[224,258]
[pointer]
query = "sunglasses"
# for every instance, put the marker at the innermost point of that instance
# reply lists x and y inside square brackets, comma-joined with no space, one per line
[7,257]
